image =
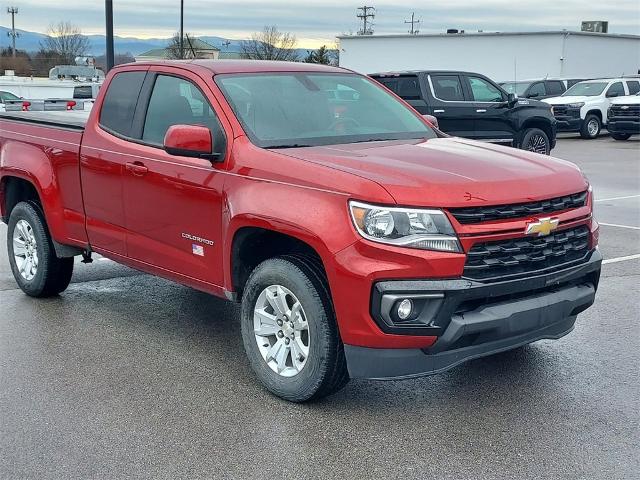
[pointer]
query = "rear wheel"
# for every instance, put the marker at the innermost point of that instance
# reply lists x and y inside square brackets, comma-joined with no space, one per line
[591,127]
[535,140]
[289,330]
[35,266]
[621,136]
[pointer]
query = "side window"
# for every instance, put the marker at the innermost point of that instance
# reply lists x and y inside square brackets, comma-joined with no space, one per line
[176,101]
[447,87]
[409,88]
[120,102]
[616,88]
[633,86]
[537,90]
[555,87]
[483,91]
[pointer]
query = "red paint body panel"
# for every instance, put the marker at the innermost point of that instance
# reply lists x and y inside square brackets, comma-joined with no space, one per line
[143,207]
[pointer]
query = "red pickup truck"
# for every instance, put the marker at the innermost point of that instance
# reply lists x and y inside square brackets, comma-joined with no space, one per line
[361,241]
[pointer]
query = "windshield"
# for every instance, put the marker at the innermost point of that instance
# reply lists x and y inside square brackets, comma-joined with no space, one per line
[586,89]
[279,110]
[516,87]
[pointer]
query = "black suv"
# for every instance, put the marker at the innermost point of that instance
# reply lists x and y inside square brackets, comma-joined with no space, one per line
[472,106]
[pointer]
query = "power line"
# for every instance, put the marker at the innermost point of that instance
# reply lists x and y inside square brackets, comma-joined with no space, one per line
[365,14]
[414,23]
[13,11]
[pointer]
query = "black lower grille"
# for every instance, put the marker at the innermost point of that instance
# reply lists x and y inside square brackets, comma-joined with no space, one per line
[625,111]
[491,260]
[518,210]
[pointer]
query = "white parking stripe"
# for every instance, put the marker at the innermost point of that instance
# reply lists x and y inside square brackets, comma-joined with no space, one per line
[619,226]
[621,259]
[616,198]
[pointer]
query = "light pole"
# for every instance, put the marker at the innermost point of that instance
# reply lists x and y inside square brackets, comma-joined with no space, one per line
[181,29]
[108,5]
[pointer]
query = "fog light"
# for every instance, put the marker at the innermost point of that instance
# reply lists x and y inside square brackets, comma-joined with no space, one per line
[405,308]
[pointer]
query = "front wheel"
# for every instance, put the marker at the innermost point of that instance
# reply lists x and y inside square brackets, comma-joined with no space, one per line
[35,266]
[535,140]
[591,127]
[289,330]
[621,136]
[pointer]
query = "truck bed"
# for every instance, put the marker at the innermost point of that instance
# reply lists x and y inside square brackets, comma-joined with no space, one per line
[73,119]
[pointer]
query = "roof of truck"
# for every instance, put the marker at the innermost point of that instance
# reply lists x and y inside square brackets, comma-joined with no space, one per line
[249,66]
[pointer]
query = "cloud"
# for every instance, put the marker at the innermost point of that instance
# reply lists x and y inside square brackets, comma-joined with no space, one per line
[322,20]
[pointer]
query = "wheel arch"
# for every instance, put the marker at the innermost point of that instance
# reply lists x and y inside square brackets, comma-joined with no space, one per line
[250,243]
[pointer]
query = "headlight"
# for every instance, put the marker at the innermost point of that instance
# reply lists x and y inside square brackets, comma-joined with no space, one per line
[405,227]
[577,105]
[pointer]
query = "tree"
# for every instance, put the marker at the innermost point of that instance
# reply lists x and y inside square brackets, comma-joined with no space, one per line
[44,60]
[320,55]
[21,64]
[173,50]
[270,44]
[66,40]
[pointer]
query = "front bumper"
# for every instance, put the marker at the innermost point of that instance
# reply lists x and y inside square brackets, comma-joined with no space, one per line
[616,125]
[569,124]
[478,319]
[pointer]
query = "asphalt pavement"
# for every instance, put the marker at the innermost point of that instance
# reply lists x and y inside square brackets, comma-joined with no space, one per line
[130,376]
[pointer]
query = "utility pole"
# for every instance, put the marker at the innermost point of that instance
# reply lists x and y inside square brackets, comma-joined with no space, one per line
[13,11]
[365,14]
[182,29]
[414,23]
[108,6]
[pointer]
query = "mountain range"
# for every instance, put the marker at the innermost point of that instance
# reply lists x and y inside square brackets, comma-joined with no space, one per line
[30,41]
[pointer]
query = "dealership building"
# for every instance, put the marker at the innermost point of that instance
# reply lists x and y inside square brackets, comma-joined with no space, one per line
[499,55]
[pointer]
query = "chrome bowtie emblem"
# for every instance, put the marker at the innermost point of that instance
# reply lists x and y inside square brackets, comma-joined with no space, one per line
[542,226]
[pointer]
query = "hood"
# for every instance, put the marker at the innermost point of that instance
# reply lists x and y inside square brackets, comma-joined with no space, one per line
[450,172]
[569,99]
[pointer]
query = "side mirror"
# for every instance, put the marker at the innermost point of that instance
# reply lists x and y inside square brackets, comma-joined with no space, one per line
[190,141]
[612,94]
[432,120]
[533,95]
[512,99]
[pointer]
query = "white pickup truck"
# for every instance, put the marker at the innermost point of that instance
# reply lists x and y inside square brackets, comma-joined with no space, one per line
[583,107]
[624,117]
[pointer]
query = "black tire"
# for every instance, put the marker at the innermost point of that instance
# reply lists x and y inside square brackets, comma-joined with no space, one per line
[535,140]
[53,274]
[620,136]
[588,132]
[325,371]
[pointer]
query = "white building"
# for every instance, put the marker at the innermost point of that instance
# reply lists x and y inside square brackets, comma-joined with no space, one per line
[500,56]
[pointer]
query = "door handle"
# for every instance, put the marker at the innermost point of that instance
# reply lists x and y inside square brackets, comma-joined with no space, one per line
[136,168]
[438,111]
[481,110]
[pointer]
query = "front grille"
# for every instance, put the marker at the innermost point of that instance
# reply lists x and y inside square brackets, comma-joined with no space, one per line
[503,212]
[630,111]
[491,260]
[563,111]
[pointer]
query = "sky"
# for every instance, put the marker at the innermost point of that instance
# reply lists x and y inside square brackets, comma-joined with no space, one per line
[316,22]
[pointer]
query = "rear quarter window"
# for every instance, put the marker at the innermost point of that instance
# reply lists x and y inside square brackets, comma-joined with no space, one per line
[120,102]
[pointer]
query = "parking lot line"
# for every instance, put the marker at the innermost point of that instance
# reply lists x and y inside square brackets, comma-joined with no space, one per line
[618,225]
[621,259]
[616,198]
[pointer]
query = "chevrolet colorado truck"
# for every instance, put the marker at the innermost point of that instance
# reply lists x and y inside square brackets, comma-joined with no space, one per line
[624,117]
[360,241]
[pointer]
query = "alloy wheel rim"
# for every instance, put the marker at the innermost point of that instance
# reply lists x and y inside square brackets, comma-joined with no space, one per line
[281,330]
[592,127]
[25,250]
[537,144]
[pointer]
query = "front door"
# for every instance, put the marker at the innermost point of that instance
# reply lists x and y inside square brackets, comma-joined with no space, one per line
[173,203]
[492,119]
[454,113]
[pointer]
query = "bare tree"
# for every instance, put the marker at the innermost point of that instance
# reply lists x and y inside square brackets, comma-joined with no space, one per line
[270,44]
[66,40]
[173,49]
